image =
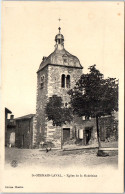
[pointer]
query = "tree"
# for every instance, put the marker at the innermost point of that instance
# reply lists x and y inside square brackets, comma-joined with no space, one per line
[94,96]
[56,112]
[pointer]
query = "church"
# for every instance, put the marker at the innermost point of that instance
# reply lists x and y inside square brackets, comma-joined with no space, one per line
[56,75]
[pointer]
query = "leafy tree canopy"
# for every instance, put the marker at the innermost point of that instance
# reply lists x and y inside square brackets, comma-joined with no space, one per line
[57,112]
[93,95]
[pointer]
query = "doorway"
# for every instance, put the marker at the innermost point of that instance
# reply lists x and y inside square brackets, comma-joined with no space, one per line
[87,135]
[66,134]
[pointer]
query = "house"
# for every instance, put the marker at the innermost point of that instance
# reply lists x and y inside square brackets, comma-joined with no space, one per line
[25,131]
[10,126]
[108,129]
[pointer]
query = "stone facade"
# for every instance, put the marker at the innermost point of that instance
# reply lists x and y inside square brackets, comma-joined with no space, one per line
[25,127]
[108,130]
[87,125]
[108,126]
[52,86]
[42,95]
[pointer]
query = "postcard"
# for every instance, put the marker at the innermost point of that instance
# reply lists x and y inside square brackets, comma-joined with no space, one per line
[62,97]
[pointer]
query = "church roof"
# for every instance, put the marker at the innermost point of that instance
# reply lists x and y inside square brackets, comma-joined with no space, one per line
[60,56]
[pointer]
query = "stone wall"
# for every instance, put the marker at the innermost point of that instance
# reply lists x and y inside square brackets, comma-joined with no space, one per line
[34,134]
[52,86]
[55,134]
[24,133]
[54,80]
[41,120]
[81,124]
[108,128]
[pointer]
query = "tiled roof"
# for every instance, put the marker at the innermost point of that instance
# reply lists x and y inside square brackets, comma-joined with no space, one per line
[29,116]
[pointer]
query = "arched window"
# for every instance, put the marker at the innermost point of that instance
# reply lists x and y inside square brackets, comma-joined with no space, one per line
[68,81]
[63,81]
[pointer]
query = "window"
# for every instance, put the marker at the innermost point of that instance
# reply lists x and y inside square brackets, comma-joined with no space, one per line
[42,81]
[68,81]
[63,81]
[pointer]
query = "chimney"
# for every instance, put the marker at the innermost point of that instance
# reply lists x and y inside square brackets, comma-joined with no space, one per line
[11,116]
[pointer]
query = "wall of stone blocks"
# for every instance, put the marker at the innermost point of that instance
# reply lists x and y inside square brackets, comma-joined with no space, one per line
[54,134]
[106,125]
[34,135]
[54,88]
[54,80]
[41,120]
[24,128]
[45,130]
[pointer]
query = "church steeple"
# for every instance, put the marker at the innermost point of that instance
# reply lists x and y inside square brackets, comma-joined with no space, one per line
[59,38]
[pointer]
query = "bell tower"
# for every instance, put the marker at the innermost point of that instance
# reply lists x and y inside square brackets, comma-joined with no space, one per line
[59,40]
[57,74]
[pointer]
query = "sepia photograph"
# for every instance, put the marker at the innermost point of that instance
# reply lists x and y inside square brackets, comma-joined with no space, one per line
[62,96]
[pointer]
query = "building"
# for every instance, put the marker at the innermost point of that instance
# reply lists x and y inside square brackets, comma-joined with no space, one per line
[10,126]
[56,75]
[25,131]
[108,129]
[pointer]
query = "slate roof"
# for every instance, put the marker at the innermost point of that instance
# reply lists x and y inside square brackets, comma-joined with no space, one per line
[57,57]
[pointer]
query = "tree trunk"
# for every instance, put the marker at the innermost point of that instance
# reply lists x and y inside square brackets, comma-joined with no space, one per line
[98,135]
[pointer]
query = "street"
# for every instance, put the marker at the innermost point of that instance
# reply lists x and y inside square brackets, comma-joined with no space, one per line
[58,158]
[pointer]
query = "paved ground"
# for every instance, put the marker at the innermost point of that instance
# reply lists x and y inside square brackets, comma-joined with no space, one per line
[58,158]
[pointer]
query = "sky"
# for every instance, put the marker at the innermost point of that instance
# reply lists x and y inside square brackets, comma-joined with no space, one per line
[93,31]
